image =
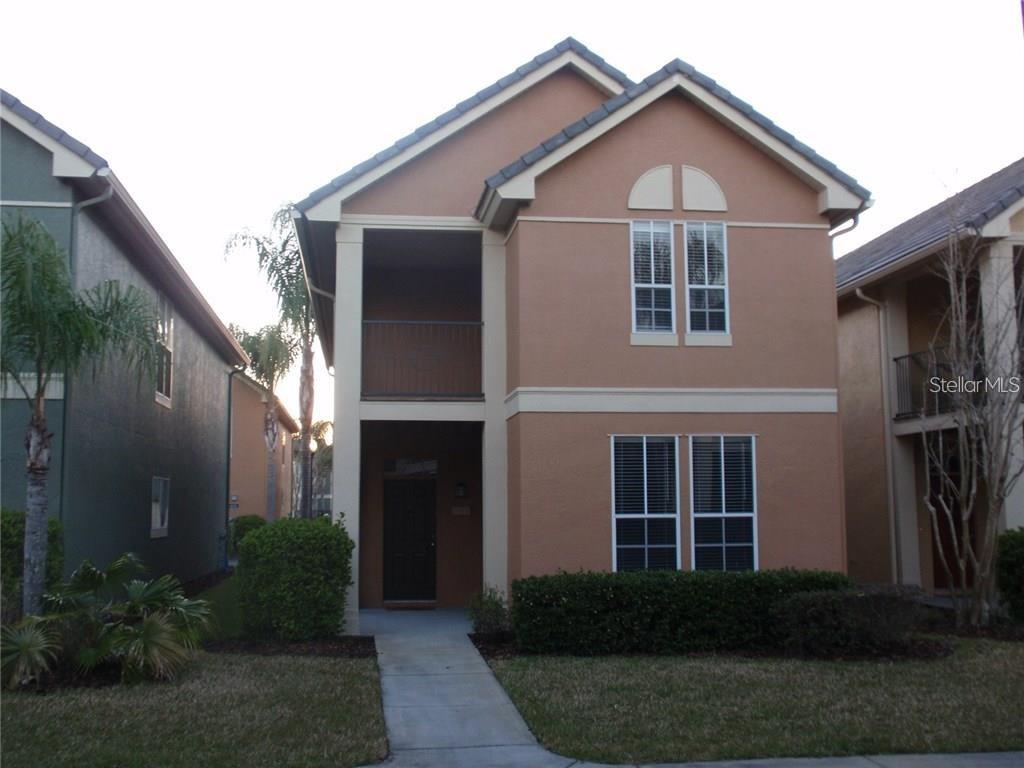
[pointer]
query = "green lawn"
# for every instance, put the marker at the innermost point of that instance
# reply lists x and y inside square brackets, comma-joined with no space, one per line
[666,709]
[227,710]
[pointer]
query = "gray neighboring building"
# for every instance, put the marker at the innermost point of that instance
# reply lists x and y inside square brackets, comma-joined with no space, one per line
[137,465]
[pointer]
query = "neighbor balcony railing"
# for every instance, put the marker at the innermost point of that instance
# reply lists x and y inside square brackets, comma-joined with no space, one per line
[916,395]
[422,359]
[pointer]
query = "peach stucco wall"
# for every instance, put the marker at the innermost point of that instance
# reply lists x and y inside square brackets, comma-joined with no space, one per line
[864,465]
[456,447]
[448,179]
[249,455]
[571,283]
[596,181]
[560,501]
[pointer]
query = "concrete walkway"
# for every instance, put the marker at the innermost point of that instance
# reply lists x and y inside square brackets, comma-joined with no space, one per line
[444,708]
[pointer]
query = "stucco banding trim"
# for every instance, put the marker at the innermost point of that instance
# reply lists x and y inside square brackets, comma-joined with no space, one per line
[666,400]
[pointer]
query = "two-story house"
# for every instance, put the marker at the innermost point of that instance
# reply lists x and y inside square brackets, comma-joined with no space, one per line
[582,322]
[892,300]
[138,465]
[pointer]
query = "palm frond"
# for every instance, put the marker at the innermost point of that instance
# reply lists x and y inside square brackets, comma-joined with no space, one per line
[26,651]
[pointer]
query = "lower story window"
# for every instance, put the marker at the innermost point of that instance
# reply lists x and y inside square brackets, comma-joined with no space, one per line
[645,502]
[723,502]
[160,506]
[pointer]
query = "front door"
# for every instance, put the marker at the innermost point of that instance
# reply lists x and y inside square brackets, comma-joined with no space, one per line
[409,539]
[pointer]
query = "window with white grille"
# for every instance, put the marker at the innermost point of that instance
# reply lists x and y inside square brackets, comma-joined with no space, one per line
[653,287]
[707,278]
[723,490]
[165,350]
[645,501]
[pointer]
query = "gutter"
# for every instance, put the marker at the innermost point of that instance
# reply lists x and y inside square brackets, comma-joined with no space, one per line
[895,561]
[227,471]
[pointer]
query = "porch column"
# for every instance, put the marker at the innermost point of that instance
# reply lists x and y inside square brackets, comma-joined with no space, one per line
[999,318]
[495,447]
[348,367]
[906,535]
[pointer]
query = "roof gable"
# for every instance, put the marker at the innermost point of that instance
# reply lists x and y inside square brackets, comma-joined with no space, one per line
[975,208]
[324,203]
[514,182]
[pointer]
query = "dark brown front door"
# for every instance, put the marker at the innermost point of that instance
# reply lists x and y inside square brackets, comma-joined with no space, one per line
[409,540]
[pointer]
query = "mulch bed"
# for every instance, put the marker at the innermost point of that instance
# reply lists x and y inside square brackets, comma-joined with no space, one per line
[66,677]
[494,645]
[348,647]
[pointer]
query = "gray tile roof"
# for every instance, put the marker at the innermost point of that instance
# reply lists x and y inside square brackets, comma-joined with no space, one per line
[569,44]
[51,130]
[972,208]
[676,67]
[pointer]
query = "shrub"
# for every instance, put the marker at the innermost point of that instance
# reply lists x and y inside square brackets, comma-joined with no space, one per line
[862,622]
[488,611]
[12,558]
[1010,572]
[591,613]
[107,618]
[292,579]
[240,527]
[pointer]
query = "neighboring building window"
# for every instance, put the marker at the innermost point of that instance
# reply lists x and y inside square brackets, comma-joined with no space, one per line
[653,291]
[706,277]
[723,491]
[165,351]
[646,503]
[160,506]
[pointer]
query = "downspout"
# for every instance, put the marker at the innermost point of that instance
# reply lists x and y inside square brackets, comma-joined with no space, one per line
[227,470]
[883,345]
[72,250]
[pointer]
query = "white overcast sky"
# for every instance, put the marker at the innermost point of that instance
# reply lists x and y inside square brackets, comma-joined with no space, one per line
[214,113]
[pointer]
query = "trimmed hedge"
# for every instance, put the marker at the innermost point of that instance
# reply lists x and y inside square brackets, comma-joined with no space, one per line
[12,559]
[1010,572]
[241,526]
[488,612]
[591,613]
[832,624]
[292,578]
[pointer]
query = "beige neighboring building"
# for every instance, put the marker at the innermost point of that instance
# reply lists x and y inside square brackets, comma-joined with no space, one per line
[248,484]
[579,322]
[890,306]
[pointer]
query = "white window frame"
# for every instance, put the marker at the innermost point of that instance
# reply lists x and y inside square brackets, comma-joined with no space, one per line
[165,329]
[686,266]
[723,515]
[157,531]
[649,223]
[645,516]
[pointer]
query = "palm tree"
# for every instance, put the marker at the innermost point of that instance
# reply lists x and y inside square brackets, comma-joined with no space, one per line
[279,260]
[271,351]
[49,329]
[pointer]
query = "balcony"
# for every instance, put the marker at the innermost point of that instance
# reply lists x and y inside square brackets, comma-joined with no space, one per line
[914,372]
[419,359]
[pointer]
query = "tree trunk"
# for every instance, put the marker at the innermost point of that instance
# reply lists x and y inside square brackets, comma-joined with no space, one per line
[270,436]
[306,423]
[37,448]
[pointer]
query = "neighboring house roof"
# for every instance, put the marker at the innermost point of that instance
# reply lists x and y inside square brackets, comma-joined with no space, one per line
[148,248]
[283,416]
[569,44]
[973,209]
[675,67]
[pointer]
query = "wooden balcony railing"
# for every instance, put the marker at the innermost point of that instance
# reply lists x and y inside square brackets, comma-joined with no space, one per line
[422,360]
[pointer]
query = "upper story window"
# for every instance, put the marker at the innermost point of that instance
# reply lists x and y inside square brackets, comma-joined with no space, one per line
[165,352]
[707,277]
[653,287]
[645,502]
[723,496]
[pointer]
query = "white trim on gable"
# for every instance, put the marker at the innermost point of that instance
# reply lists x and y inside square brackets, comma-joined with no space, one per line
[522,187]
[329,209]
[65,162]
